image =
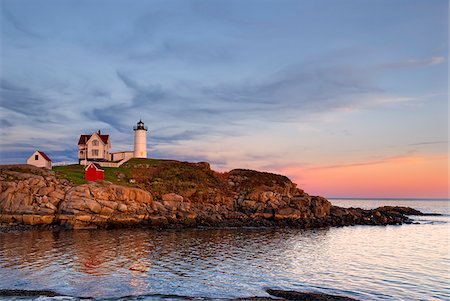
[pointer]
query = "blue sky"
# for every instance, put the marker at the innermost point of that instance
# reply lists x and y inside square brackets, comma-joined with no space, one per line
[255,84]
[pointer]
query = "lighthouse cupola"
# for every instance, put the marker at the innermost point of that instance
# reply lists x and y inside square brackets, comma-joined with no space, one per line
[140,140]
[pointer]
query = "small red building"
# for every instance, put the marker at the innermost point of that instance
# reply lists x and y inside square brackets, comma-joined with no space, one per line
[94,172]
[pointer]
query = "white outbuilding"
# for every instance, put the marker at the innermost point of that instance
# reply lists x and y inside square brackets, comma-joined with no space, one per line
[40,159]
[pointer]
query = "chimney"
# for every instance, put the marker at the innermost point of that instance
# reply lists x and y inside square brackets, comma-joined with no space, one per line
[99,132]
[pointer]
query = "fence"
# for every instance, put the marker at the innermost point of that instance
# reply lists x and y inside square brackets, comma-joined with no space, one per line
[63,163]
[106,164]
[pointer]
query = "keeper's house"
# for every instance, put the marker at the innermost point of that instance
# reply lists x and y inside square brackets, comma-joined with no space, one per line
[94,147]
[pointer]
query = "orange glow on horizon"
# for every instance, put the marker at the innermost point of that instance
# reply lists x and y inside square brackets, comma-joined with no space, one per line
[409,176]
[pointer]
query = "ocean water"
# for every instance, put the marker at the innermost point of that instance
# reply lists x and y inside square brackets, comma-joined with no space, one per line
[408,262]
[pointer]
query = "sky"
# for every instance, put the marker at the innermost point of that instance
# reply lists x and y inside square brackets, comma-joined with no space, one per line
[348,98]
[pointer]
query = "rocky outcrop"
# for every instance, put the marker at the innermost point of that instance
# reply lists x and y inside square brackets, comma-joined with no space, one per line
[101,204]
[306,296]
[30,195]
[280,294]
[34,196]
[387,215]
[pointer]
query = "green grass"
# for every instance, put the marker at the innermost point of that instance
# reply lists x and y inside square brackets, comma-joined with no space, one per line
[164,176]
[73,173]
[157,176]
[76,174]
[118,175]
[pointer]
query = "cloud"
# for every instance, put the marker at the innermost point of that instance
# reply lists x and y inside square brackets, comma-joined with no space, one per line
[38,118]
[164,137]
[101,93]
[5,123]
[187,111]
[32,106]
[19,155]
[436,60]
[195,109]
[16,24]
[142,99]
[430,142]
[391,159]
[357,164]
[182,50]
[21,100]
[184,156]
[303,89]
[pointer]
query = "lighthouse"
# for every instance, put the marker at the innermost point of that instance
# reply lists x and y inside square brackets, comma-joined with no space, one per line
[140,140]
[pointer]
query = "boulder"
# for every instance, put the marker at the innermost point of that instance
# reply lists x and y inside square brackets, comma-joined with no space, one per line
[306,296]
[93,205]
[122,207]
[109,204]
[6,218]
[158,221]
[171,205]
[83,218]
[106,211]
[288,213]
[249,205]
[33,219]
[172,197]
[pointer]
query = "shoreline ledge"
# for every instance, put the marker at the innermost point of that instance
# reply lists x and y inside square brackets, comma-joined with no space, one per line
[170,194]
[279,294]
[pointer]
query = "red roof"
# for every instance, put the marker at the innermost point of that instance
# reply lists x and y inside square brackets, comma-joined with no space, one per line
[44,155]
[84,138]
[96,166]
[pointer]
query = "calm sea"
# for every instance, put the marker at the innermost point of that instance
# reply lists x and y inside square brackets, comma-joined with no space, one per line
[408,262]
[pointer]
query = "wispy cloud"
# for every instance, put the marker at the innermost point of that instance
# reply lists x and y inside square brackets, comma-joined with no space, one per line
[385,160]
[277,97]
[436,60]
[430,142]
[305,89]
[21,99]
[141,102]
[13,24]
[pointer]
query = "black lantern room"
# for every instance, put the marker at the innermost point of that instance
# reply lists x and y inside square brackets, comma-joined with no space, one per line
[140,126]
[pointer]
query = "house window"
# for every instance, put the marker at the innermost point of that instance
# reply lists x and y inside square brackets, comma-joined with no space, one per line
[94,152]
[95,142]
[36,157]
[81,152]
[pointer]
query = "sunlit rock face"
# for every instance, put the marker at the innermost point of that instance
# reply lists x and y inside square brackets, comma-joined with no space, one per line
[30,195]
[101,204]
[33,196]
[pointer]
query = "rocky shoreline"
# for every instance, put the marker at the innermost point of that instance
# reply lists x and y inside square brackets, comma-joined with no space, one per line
[33,197]
[278,294]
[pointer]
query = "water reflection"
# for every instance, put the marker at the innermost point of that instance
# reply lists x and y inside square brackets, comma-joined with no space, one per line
[375,263]
[80,257]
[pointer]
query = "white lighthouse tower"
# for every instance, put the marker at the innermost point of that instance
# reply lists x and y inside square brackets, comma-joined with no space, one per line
[140,140]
